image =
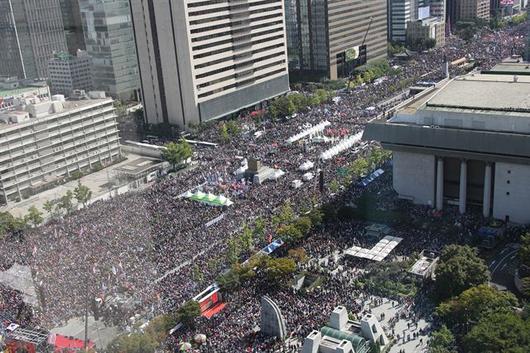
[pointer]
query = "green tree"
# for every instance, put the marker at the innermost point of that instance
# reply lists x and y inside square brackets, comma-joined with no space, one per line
[34,216]
[66,202]
[289,233]
[197,274]
[121,109]
[224,136]
[498,332]
[334,186]
[359,167]
[82,194]
[277,270]
[281,106]
[233,128]
[303,224]
[246,238]
[234,250]
[442,341]
[259,228]
[459,268]
[133,343]
[285,216]
[188,312]
[159,327]
[299,255]
[474,303]
[177,152]
[524,250]
[229,281]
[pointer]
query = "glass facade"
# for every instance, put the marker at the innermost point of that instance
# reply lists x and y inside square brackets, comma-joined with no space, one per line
[109,40]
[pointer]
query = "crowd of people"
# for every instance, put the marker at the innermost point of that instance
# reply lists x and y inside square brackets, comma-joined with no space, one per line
[147,246]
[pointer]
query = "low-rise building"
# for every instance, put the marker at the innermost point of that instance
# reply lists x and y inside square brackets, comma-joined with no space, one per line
[70,72]
[465,142]
[44,141]
[14,92]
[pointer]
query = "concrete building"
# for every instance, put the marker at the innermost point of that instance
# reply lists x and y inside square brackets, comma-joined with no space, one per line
[202,60]
[400,13]
[342,335]
[14,92]
[472,9]
[427,28]
[30,34]
[73,27]
[327,37]
[68,72]
[43,141]
[109,40]
[466,142]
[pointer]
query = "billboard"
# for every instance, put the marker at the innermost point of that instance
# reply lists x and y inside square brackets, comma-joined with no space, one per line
[351,54]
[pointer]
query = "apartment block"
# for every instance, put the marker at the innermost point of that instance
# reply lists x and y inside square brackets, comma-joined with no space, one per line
[44,141]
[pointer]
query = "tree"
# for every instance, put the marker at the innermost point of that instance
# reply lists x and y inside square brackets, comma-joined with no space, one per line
[233,128]
[188,312]
[229,281]
[177,152]
[473,304]
[159,327]
[34,216]
[334,186]
[303,224]
[289,233]
[524,250]
[498,332]
[234,250]
[299,255]
[121,109]
[82,194]
[281,106]
[65,202]
[133,343]
[246,238]
[285,216]
[259,228]
[442,341]
[459,268]
[277,270]
[316,216]
[224,136]
[359,167]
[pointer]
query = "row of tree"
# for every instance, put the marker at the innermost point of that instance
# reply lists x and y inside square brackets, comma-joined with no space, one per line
[295,102]
[65,204]
[176,153]
[372,72]
[476,317]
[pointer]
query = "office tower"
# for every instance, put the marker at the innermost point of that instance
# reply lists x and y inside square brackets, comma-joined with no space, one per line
[70,72]
[201,60]
[472,9]
[109,40]
[400,13]
[73,27]
[30,33]
[331,37]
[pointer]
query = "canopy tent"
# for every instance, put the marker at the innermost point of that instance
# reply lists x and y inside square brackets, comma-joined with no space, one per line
[209,198]
[306,166]
[343,145]
[308,132]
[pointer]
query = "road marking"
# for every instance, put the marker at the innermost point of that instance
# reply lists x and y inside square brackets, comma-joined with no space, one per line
[502,260]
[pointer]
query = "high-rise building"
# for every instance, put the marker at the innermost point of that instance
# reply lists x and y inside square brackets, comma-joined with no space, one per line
[331,37]
[472,9]
[400,13]
[205,59]
[73,26]
[109,40]
[69,72]
[30,32]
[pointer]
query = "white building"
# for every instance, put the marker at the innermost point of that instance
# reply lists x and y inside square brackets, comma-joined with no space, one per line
[45,140]
[400,13]
[203,59]
[465,143]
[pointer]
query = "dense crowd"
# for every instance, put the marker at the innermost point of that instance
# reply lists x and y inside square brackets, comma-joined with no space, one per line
[146,246]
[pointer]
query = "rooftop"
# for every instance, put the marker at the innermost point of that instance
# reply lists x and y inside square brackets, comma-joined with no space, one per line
[521,68]
[484,92]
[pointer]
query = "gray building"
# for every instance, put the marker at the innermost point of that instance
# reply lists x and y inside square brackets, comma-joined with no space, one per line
[68,72]
[327,37]
[44,141]
[30,32]
[202,60]
[466,142]
[109,40]
[400,13]
[73,27]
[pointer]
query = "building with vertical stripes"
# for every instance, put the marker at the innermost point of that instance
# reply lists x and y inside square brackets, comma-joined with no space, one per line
[205,59]
[30,32]
[331,37]
[465,143]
